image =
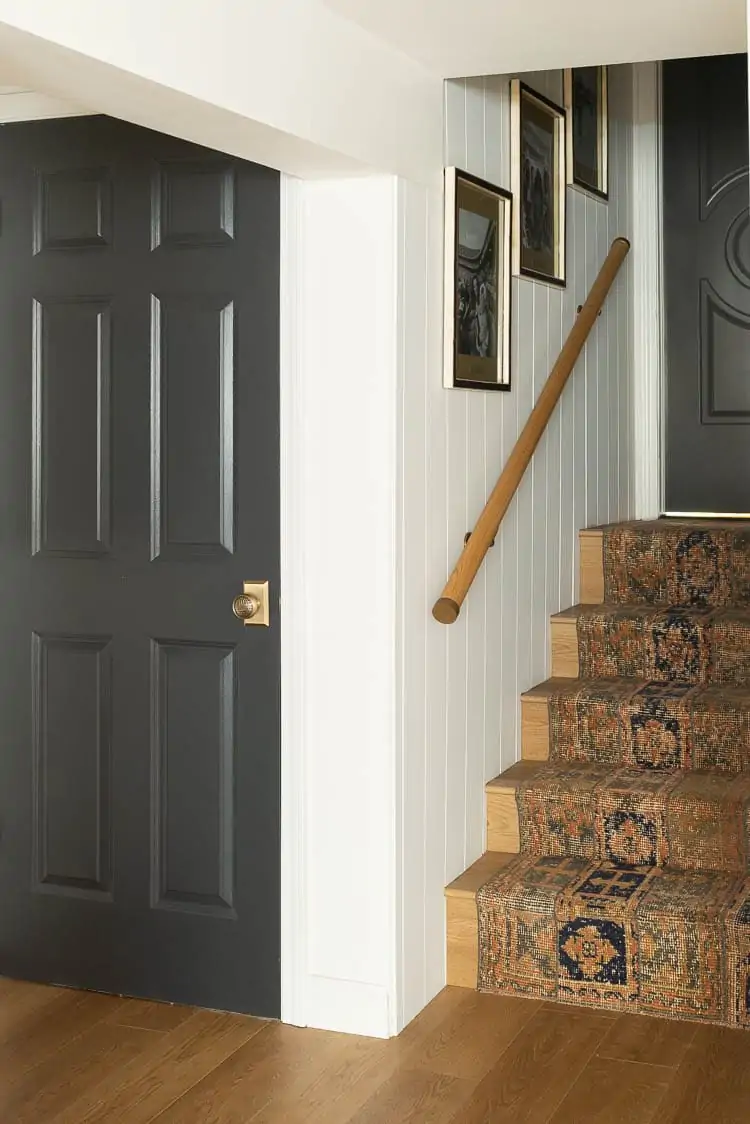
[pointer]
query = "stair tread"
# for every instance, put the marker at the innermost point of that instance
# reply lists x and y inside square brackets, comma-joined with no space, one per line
[521,869]
[735,694]
[511,777]
[667,526]
[645,608]
[467,884]
[577,774]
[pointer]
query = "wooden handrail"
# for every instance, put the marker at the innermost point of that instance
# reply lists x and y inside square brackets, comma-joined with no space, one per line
[448,606]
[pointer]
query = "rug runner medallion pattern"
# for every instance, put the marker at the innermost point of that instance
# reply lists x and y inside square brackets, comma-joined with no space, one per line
[632,888]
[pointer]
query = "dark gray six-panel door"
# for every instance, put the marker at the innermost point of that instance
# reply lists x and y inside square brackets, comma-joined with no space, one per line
[139,476]
[707,284]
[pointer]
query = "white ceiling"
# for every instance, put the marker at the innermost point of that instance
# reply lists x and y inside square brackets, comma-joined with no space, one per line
[458,38]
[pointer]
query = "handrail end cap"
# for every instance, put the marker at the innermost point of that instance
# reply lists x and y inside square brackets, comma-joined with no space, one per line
[446,610]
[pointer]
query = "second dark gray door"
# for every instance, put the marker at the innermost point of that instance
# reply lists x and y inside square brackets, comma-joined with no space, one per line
[139,470]
[707,285]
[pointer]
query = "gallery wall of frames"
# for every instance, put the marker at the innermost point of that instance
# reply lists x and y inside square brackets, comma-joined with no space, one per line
[492,233]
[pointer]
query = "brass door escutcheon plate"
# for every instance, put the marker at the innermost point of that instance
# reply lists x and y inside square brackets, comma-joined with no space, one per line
[252,605]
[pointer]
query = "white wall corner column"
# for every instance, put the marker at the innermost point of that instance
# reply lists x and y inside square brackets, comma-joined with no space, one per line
[339,386]
[648,283]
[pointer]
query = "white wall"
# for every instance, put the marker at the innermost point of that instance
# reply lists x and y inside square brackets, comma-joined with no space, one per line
[478,37]
[462,683]
[339,682]
[289,83]
[19,104]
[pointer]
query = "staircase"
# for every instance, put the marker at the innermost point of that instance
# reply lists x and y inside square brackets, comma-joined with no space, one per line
[617,873]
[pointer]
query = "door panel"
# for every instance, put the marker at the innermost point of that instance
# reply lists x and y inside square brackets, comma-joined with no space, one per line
[193,426]
[194,699]
[71,426]
[71,692]
[139,475]
[707,279]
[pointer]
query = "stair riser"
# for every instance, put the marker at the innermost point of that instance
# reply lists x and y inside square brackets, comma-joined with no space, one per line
[672,563]
[716,652]
[535,729]
[591,567]
[462,944]
[704,730]
[684,833]
[646,940]
[564,641]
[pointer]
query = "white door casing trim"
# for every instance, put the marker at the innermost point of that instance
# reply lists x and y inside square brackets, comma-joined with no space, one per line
[648,288]
[340,737]
[292,595]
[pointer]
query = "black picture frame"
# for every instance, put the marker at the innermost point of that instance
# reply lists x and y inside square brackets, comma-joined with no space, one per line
[539,172]
[587,106]
[477,300]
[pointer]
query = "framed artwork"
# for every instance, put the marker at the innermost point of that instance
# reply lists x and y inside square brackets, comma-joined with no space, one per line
[539,179]
[587,129]
[477,283]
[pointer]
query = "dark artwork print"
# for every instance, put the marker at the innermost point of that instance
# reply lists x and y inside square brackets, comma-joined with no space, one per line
[586,126]
[476,297]
[537,222]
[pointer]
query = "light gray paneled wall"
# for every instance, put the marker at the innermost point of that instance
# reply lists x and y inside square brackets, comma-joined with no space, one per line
[461,684]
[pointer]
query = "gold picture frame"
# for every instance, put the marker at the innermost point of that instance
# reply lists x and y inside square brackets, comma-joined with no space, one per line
[478,232]
[587,108]
[538,166]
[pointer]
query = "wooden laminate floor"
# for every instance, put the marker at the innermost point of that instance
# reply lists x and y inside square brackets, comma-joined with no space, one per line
[73,1057]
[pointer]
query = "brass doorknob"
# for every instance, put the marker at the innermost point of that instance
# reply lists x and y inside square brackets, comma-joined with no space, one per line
[252,605]
[246,606]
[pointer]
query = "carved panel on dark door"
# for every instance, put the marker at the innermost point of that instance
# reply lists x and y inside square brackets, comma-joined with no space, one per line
[193,704]
[72,745]
[71,423]
[192,204]
[73,210]
[192,426]
[725,359]
[707,288]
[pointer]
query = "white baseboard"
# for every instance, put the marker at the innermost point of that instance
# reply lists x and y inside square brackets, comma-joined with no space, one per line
[348,1006]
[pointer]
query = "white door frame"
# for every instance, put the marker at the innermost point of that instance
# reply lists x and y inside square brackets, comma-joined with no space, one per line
[293,912]
[648,289]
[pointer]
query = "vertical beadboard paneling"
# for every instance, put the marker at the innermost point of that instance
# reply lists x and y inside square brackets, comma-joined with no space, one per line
[476,450]
[439,558]
[462,684]
[414,565]
[496,127]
